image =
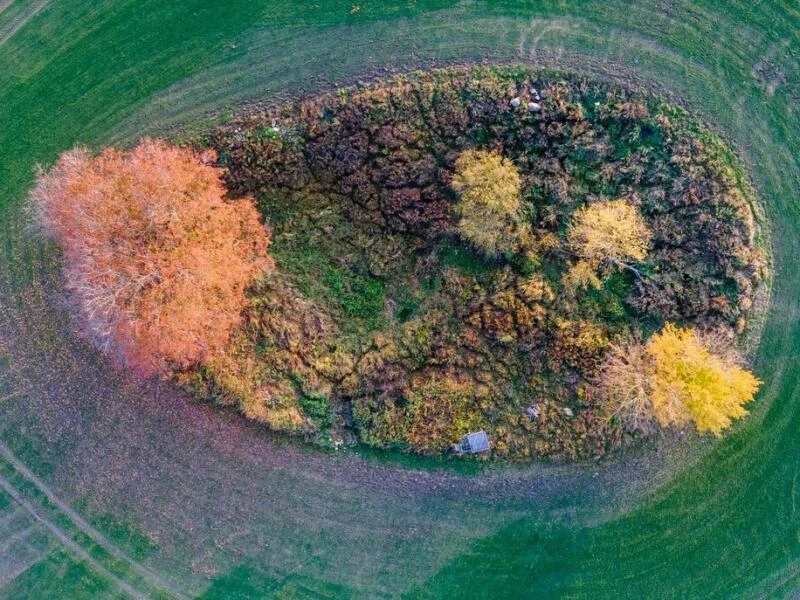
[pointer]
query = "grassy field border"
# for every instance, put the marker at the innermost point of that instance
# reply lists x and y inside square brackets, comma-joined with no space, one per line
[690,537]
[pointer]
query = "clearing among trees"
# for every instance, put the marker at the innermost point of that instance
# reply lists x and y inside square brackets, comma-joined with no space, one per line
[562,263]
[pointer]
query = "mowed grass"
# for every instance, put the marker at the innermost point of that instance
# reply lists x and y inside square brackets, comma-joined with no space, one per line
[725,527]
[60,575]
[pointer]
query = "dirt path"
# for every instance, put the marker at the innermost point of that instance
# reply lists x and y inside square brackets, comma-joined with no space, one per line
[209,488]
[151,577]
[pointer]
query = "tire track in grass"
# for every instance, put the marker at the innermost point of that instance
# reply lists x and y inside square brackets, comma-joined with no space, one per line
[8,30]
[20,543]
[147,574]
[14,569]
[68,542]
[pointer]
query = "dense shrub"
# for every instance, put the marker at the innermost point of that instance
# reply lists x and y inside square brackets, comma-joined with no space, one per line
[488,188]
[274,368]
[504,312]
[690,384]
[624,386]
[675,380]
[580,344]
[609,234]
[156,260]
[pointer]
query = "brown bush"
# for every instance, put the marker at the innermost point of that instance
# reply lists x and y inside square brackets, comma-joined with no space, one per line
[624,388]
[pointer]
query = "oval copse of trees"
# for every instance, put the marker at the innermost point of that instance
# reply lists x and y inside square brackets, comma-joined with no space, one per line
[564,264]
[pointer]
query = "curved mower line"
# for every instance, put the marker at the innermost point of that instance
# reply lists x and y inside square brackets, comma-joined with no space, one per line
[7,30]
[723,525]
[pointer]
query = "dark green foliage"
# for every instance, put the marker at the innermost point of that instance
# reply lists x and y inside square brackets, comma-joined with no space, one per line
[305,254]
[464,258]
[361,297]
[316,407]
[406,307]
[610,302]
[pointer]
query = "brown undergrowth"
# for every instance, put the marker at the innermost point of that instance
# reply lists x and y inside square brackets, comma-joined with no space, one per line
[383,323]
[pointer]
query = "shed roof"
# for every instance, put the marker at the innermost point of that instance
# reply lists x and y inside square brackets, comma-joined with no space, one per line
[476,442]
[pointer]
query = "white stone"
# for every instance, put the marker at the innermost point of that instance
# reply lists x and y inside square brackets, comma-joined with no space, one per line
[515,102]
[534,106]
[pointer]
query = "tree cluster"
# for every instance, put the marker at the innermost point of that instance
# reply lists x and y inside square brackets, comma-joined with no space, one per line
[674,380]
[506,253]
[447,261]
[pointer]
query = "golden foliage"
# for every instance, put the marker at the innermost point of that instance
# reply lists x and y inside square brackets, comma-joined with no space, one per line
[675,379]
[689,382]
[156,259]
[546,241]
[580,343]
[275,358]
[536,289]
[488,186]
[609,232]
[580,275]
[237,378]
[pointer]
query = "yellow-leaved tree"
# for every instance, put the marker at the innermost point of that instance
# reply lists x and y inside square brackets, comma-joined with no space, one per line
[488,187]
[580,275]
[690,383]
[605,235]
[675,379]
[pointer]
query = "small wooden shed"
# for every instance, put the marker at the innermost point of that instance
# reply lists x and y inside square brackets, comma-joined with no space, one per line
[473,443]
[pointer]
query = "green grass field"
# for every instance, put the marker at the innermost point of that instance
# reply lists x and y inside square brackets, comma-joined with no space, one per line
[112,488]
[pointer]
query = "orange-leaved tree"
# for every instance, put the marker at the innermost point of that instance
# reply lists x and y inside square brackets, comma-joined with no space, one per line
[155,257]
